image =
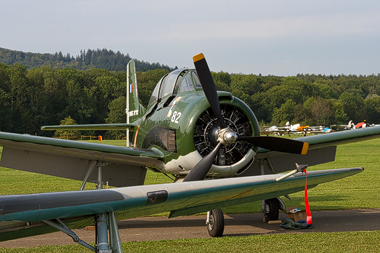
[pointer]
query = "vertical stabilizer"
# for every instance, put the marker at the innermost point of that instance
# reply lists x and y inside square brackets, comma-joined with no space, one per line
[134,109]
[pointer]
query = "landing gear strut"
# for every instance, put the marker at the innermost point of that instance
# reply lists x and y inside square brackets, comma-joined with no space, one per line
[215,222]
[107,238]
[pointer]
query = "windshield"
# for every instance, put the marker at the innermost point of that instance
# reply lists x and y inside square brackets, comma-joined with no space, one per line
[181,80]
[195,80]
[168,84]
[185,83]
[154,97]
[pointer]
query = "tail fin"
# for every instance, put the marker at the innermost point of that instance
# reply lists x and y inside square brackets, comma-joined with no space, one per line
[134,109]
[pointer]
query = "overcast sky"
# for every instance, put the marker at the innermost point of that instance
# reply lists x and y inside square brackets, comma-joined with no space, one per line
[268,37]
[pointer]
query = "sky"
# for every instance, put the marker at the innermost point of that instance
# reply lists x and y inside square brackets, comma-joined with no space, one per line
[272,37]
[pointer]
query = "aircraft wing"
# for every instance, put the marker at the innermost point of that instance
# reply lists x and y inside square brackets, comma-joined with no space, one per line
[322,149]
[76,160]
[116,126]
[180,198]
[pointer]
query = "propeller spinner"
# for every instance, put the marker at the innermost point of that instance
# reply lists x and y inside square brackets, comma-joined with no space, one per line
[226,136]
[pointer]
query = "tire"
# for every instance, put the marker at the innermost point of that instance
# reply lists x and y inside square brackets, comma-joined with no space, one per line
[271,209]
[215,227]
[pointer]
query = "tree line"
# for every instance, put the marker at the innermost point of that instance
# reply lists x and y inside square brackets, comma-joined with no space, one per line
[306,99]
[31,98]
[99,58]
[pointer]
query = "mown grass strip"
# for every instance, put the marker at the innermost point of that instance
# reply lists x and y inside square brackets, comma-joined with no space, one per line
[306,242]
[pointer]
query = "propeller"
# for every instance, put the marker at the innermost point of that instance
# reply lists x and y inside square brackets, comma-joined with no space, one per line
[208,86]
[277,144]
[200,170]
[225,135]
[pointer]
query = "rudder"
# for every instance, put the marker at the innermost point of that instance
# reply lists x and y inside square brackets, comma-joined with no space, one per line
[134,109]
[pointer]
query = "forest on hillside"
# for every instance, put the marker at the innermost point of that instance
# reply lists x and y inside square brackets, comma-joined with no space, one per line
[100,58]
[31,98]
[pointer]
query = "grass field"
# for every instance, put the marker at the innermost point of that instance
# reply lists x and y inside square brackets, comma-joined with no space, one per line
[359,191]
[309,242]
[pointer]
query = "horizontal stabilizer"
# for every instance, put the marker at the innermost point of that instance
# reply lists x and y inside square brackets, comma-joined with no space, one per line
[116,126]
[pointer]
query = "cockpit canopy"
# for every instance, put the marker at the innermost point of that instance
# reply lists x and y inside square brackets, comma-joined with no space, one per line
[179,80]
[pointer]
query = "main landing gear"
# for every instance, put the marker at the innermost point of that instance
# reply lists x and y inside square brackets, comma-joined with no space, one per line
[270,209]
[107,238]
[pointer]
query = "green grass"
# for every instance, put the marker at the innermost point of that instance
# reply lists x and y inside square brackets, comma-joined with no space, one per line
[307,242]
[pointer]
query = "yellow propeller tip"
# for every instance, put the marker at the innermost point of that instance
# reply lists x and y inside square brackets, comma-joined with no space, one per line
[198,57]
[305,147]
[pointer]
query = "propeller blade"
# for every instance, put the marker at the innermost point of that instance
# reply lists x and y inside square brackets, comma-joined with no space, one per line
[277,144]
[203,166]
[208,86]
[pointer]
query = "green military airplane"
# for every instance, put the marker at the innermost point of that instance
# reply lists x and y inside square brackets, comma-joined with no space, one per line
[188,130]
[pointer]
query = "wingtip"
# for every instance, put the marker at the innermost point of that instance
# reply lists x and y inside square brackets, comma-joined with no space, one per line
[305,147]
[198,57]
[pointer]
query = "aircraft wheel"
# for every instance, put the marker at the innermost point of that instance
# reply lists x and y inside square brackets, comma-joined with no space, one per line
[271,209]
[215,226]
